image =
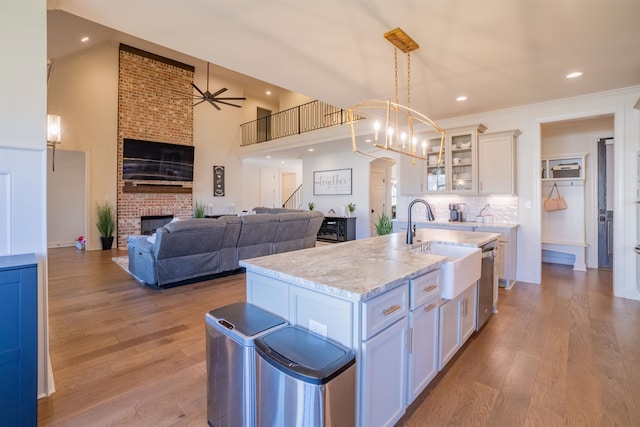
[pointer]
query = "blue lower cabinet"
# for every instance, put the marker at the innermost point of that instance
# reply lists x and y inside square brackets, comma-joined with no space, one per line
[18,340]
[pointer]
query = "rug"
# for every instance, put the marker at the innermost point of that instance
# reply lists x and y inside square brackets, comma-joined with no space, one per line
[123,263]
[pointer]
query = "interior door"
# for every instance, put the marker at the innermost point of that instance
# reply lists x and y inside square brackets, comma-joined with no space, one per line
[268,188]
[377,197]
[66,198]
[605,203]
[263,128]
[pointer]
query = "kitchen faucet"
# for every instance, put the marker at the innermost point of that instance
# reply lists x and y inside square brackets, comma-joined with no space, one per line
[411,230]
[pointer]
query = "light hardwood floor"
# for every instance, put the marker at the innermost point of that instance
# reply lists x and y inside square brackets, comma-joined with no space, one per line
[564,353]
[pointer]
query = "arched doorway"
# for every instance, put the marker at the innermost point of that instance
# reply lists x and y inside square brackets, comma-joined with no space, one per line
[379,190]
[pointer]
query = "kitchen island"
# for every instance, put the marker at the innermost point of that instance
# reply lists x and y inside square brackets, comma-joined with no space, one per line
[379,297]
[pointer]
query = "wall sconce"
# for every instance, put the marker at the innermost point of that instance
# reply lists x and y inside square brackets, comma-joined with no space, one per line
[54,131]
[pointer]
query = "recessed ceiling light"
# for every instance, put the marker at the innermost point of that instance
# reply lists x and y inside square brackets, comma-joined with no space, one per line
[268,157]
[461,98]
[84,39]
[574,74]
[311,149]
[282,162]
[268,92]
[367,141]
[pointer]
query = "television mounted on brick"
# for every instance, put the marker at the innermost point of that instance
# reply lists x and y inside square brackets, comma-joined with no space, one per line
[157,161]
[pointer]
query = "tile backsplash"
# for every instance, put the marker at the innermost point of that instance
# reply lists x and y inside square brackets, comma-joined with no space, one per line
[504,209]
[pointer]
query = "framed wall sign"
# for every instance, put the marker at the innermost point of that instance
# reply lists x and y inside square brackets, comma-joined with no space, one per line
[332,182]
[218,181]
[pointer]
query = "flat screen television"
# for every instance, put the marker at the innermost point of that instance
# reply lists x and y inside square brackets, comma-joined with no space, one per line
[156,161]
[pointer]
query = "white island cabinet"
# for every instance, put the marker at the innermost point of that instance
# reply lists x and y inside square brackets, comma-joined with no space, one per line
[384,329]
[375,296]
[377,329]
[457,323]
[423,333]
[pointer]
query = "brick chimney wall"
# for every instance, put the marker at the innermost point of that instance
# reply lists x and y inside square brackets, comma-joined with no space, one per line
[151,108]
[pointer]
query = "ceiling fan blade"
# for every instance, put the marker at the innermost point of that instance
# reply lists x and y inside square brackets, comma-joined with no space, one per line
[199,102]
[215,94]
[213,102]
[232,99]
[196,88]
[227,103]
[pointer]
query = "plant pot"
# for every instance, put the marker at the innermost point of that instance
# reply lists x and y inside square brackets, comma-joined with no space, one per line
[107,242]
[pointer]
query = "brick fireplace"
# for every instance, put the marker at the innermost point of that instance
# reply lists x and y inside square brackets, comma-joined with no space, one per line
[148,109]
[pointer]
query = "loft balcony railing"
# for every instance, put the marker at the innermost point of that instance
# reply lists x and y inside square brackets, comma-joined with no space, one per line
[303,118]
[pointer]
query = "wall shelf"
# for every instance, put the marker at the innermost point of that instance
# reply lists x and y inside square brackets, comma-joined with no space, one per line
[563,167]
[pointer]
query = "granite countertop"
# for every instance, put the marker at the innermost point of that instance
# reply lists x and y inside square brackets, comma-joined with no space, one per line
[464,224]
[361,269]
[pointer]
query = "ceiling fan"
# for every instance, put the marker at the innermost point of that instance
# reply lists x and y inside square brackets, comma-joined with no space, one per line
[214,98]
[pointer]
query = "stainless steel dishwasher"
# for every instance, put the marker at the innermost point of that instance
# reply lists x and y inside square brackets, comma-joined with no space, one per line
[486,284]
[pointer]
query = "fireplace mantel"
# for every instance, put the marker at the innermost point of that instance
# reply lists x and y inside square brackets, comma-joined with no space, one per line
[155,188]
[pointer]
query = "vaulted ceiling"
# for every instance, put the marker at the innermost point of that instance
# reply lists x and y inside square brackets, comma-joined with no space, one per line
[497,53]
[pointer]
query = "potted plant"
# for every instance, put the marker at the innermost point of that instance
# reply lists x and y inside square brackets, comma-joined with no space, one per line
[106,224]
[383,226]
[198,210]
[311,206]
[351,207]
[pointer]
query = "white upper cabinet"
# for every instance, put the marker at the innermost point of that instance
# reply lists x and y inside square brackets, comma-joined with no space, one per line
[457,170]
[496,163]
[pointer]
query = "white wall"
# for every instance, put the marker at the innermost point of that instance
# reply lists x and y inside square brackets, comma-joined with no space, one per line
[251,180]
[359,180]
[83,91]
[216,137]
[292,99]
[23,162]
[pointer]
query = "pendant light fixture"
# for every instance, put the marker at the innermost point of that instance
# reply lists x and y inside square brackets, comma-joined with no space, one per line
[396,127]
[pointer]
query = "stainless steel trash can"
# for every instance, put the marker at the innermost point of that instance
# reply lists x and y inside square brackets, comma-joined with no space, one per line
[231,331]
[304,380]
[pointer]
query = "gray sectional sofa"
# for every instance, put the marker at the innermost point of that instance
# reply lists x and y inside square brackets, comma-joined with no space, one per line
[197,249]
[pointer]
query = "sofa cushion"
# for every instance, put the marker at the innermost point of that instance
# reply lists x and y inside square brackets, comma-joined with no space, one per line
[228,251]
[188,237]
[264,210]
[188,249]
[256,235]
[315,222]
[292,228]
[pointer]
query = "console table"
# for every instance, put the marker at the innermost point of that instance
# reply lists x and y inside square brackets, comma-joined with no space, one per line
[337,229]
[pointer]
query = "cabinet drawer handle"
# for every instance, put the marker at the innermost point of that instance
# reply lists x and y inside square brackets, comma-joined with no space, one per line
[429,307]
[430,288]
[391,309]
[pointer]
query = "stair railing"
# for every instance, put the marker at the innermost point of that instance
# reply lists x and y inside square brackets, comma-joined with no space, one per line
[295,200]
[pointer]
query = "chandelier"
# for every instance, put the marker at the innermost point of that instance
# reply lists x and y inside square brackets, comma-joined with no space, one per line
[396,127]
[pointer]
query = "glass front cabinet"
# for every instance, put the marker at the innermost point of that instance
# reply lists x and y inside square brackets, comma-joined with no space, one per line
[457,172]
